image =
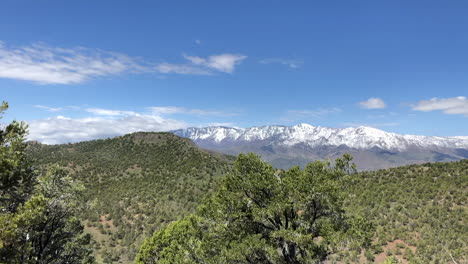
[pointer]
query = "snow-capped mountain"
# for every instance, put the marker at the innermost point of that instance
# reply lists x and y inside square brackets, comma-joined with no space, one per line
[359,138]
[289,145]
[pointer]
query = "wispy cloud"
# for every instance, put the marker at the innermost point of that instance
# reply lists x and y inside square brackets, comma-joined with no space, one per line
[161,110]
[225,63]
[222,124]
[287,62]
[43,64]
[167,109]
[373,103]
[107,112]
[389,124]
[453,106]
[167,68]
[48,108]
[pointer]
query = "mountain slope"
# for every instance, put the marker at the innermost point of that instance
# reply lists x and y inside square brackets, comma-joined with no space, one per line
[418,213]
[288,146]
[423,208]
[136,184]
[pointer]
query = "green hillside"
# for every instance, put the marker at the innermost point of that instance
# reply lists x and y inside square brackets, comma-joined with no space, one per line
[418,215]
[138,183]
[420,211]
[135,184]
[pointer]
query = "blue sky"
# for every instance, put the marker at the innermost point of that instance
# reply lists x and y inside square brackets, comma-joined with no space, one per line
[90,69]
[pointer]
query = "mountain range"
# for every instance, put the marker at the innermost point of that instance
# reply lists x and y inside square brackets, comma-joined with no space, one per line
[139,183]
[286,146]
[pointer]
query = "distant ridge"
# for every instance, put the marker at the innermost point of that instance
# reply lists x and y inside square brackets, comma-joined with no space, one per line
[286,146]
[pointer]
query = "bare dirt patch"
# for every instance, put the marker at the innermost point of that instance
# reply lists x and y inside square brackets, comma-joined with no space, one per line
[396,248]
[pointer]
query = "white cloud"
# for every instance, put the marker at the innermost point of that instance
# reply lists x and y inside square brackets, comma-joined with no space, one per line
[49,65]
[167,68]
[389,124]
[61,129]
[48,108]
[105,123]
[373,103]
[107,112]
[44,64]
[225,63]
[161,110]
[222,124]
[453,106]
[288,62]
[222,62]
[198,42]
[166,109]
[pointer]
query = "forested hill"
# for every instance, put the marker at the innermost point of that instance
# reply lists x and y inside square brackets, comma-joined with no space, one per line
[136,184]
[418,215]
[419,212]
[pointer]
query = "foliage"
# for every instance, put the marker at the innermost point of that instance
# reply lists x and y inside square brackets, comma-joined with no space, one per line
[139,183]
[179,242]
[17,178]
[135,184]
[424,205]
[262,215]
[38,221]
[45,229]
[390,260]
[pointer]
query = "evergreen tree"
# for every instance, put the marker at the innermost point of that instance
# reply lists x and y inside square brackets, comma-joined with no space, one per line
[17,178]
[262,215]
[38,221]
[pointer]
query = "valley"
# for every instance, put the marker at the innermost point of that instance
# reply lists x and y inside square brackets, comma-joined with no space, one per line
[233,132]
[138,183]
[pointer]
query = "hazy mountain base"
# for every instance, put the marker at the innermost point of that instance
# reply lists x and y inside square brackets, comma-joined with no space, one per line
[285,157]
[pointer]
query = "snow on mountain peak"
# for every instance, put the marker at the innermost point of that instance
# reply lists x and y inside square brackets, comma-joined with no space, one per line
[360,137]
[303,126]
